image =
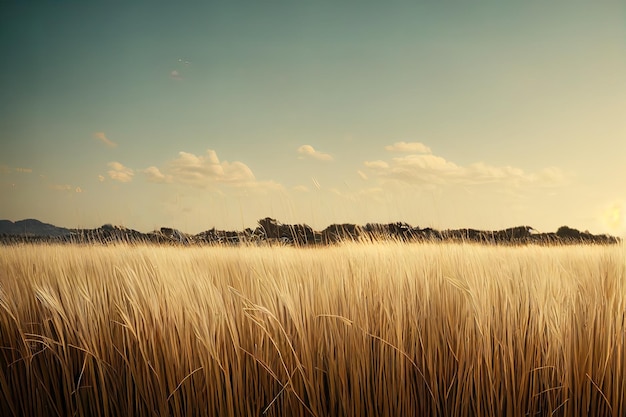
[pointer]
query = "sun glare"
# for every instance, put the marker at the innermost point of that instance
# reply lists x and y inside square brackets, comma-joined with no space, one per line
[615,217]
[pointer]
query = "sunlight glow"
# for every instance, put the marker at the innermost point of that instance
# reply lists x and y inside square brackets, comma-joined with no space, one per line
[615,217]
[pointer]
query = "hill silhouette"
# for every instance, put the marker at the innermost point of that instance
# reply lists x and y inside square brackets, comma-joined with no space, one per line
[31,227]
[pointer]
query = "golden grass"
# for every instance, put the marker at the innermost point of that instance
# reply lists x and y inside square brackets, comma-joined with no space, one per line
[359,329]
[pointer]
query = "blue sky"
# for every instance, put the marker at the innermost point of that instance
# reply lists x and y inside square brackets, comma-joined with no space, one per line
[146,114]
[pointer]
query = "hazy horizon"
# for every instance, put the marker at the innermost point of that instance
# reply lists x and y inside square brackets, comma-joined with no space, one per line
[483,116]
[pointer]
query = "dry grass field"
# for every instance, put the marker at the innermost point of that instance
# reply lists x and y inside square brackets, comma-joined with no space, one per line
[383,329]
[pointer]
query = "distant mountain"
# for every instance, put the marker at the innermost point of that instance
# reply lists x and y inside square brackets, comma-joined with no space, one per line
[31,227]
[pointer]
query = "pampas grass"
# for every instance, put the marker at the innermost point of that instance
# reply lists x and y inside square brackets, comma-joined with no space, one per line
[383,329]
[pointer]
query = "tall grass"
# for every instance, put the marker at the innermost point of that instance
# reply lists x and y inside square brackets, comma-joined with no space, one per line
[382,329]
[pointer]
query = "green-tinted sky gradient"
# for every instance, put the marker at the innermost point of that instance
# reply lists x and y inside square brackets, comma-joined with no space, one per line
[444,114]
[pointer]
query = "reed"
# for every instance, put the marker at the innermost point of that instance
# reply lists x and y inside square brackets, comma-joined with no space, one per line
[382,329]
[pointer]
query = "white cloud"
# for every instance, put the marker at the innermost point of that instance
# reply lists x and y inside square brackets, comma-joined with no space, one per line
[430,169]
[103,138]
[376,164]
[308,150]
[78,190]
[408,147]
[120,173]
[362,174]
[175,75]
[206,171]
[301,188]
[153,174]
[101,178]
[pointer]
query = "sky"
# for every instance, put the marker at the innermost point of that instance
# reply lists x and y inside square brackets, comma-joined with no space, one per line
[209,114]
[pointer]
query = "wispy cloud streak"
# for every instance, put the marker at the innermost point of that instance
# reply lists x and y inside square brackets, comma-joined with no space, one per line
[101,136]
